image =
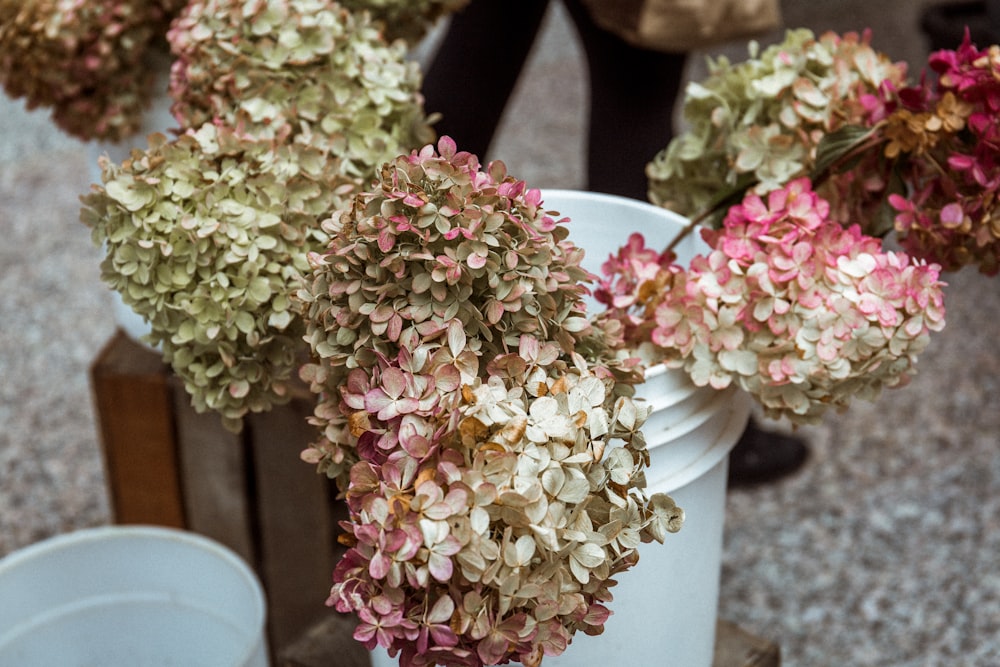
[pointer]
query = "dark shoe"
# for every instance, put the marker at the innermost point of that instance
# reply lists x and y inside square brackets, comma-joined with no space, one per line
[764,456]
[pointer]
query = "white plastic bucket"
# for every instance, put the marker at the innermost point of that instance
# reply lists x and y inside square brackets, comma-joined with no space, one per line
[678,456]
[130,596]
[708,415]
[665,608]
[669,408]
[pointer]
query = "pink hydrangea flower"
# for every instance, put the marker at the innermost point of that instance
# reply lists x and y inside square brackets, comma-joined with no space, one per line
[797,310]
[950,214]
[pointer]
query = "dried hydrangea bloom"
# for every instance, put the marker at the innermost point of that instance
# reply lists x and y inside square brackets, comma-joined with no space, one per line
[87,61]
[759,122]
[295,127]
[406,19]
[206,237]
[946,137]
[797,310]
[629,287]
[504,541]
[477,423]
[445,263]
[307,72]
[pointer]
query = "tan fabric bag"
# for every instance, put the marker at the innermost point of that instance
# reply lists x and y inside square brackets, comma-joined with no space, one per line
[685,25]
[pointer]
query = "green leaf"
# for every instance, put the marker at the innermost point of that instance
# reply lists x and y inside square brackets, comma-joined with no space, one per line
[834,146]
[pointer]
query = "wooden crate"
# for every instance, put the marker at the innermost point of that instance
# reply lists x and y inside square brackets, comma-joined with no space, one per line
[168,465]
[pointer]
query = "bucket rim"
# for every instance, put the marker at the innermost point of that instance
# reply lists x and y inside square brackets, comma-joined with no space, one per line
[739,408]
[690,422]
[628,202]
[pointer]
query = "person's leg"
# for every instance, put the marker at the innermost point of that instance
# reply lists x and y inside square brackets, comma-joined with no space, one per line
[477,66]
[632,96]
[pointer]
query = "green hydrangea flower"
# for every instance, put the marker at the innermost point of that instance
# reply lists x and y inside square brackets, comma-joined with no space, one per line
[759,122]
[206,236]
[304,71]
[290,107]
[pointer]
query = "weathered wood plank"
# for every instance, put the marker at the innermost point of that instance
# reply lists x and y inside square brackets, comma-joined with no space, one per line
[132,401]
[296,520]
[215,477]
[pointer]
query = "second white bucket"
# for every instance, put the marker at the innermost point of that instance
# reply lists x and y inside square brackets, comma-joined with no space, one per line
[130,596]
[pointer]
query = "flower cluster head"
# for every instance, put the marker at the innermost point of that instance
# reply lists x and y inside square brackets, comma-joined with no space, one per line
[290,107]
[405,19]
[443,262]
[478,424]
[946,139]
[85,59]
[797,310]
[305,72]
[206,237]
[760,122]
[629,288]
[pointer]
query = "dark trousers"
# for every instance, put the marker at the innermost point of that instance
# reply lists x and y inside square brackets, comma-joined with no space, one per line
[632,90]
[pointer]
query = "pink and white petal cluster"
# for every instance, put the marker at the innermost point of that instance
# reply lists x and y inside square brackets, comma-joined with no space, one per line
[951,214]
[797,310]
[628,286]
[506,539]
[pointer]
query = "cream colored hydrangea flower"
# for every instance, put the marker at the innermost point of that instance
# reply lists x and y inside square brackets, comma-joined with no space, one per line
[759,122]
